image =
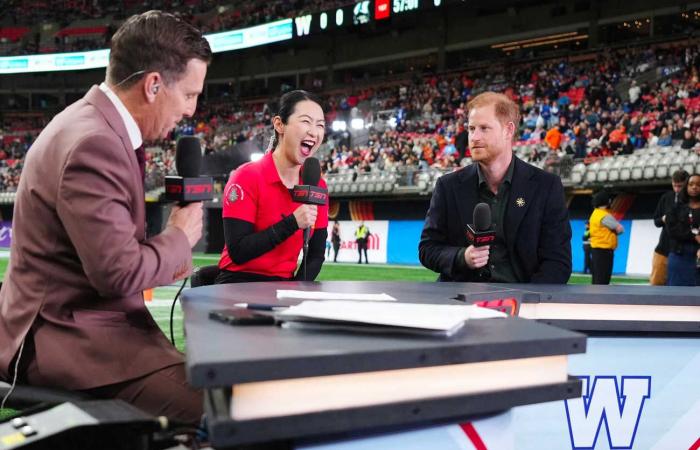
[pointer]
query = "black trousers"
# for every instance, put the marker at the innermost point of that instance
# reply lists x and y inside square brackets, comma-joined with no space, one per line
[601,265]
[586,259]
[362,247]
[336,249]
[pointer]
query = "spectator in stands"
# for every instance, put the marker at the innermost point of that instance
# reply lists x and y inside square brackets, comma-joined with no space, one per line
[259,246]
[678,131]
[73,314]
[667,202]
[553,138]
[683,226]
[617,138]
[688,140]
[634,92]
[604,231]
[581,140]
[533,235]
[664,138]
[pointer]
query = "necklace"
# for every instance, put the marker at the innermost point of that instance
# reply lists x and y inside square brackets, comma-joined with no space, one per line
[694,227]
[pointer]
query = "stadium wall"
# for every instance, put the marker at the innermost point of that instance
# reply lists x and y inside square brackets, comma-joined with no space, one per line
[396,242]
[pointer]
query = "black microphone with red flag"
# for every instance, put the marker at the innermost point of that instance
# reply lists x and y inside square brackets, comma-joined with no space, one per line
[188,186]
[310,193]
[481,232]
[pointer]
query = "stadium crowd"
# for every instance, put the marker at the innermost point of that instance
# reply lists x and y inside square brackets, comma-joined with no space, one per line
[587,109]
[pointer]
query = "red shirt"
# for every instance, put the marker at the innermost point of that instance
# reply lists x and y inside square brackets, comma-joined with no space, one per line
[256,194]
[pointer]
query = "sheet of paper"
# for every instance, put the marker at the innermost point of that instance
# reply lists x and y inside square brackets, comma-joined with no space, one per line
[317,295]
[415,315]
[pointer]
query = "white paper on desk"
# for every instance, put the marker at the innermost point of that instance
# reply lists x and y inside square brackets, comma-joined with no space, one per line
[408,315]
[318,295]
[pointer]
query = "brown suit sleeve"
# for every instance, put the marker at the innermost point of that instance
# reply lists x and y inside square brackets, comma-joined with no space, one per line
[96,202]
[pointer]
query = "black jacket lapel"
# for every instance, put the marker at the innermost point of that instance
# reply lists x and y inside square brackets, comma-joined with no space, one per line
[467,195]
[522,195]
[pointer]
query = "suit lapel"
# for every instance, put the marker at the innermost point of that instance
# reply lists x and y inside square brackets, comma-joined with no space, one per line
[99,100]
[104,105]
[467,196]
[522,193]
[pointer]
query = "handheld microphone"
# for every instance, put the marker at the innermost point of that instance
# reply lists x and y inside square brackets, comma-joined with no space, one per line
[481,233]
[188,186]
[309,193]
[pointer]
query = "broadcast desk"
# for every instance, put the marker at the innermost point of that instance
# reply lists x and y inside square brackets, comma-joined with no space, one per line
[265,383]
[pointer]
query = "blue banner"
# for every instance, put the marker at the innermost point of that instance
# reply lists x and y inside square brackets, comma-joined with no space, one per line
[404,236]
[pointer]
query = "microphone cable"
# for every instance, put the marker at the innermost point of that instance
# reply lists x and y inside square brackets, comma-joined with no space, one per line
[306,253]
[172,310]
[14,377]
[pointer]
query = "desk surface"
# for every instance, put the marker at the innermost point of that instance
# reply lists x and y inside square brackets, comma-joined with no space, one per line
[609,294]
[221,355]
[611,309]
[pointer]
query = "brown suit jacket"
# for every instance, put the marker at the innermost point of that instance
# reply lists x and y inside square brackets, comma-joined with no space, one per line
[79,259]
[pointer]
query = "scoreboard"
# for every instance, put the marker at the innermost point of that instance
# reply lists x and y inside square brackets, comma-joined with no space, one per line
[359,13]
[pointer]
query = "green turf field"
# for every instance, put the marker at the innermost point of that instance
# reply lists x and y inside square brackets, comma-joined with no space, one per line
[163,296]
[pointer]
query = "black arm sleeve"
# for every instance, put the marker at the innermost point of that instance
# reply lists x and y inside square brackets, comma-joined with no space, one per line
[244,244]
[314,261]
[436,251]
[661,210]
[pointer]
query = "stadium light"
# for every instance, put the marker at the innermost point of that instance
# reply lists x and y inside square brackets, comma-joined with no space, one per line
[357,124]
[256,156]
[339,125]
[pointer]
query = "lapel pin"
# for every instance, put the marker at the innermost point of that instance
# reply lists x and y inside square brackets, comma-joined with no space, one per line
[520,202]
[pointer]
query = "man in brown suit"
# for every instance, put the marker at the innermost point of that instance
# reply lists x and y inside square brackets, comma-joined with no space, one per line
[72,313]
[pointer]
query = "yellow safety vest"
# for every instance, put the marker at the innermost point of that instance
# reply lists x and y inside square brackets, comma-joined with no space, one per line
[601,236]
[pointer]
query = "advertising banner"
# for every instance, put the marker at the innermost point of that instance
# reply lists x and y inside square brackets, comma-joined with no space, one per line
[376,242]
[5,234]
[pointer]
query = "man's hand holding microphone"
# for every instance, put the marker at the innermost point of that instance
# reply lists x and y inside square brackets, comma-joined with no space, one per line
[480,235]
[476,257]
[188,189]
[189,219]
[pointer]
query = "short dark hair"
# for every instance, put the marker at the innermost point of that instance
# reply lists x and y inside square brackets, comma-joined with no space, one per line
[286,108]
[154,41]
[601,198]
[680,176]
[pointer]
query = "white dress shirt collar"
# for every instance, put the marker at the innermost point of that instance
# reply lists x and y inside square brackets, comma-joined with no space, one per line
[131,127]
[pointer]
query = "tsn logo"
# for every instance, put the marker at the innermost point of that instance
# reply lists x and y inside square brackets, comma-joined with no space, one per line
[619,406]
[189,189]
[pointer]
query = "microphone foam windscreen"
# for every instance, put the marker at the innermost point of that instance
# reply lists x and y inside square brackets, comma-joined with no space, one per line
[188,157]
[311,171]
[482,217]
